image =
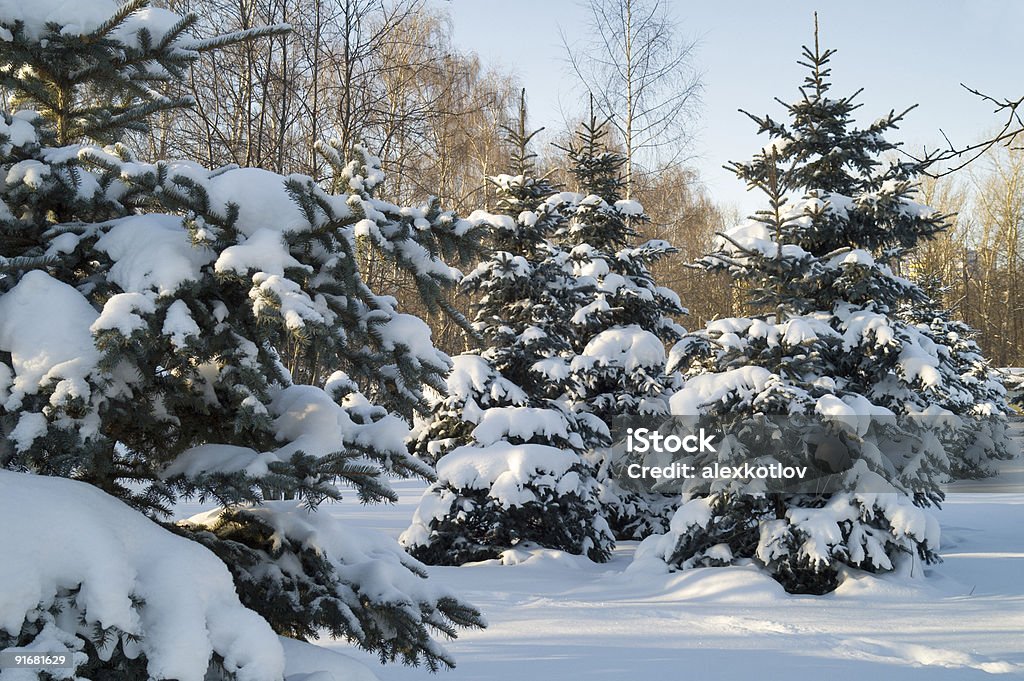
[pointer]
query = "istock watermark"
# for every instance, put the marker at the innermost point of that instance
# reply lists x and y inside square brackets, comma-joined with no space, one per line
[716,471]
[648,440]
[800,454]
[643,440]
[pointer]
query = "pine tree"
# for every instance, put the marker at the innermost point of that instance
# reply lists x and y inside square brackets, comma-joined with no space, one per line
[510,468]
[826,374]
[621,331]
[148,315]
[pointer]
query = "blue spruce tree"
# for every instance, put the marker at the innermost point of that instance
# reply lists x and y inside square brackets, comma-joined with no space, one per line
[154,320]
[508,448]
[620,333]
[824,372]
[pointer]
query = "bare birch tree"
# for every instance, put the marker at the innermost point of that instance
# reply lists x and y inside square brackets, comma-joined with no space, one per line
[640,70]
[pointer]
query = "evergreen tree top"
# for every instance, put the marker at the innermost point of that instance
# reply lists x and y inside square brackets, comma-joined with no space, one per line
[822,143]
[599,218]
[845,179]
[523,197]
[597,169]
[519,139]
[527,210]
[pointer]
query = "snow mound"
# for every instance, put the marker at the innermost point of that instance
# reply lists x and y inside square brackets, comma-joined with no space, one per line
[19,132]
[754,237]
[629,347]
[219,458]
[265,250]
[629,207]
[56,347]
[500,423]
[529,554]
[736,584]
[700,391]
[263,201]
[503,466]
[307,662]
[152,252]
[162,596]
[472,374]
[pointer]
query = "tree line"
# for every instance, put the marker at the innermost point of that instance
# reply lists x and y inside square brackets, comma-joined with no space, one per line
[387,74]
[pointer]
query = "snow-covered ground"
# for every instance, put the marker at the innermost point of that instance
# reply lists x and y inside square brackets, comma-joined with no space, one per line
[557,617]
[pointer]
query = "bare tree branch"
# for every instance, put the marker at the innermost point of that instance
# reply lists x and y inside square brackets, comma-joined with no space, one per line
[1012,128]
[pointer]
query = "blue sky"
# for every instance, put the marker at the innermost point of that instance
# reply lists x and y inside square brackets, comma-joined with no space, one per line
[901,52]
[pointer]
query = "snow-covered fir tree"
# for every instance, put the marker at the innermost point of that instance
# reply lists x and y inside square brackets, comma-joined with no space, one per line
[621,331]
[856,392]
[150,316]
[508,448]
[982,436]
